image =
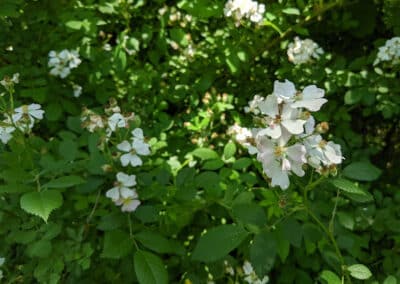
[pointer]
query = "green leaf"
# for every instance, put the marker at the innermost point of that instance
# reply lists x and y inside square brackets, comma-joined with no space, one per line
[229,150]
[218,242]
[363,171]
[74,25]
[390,280]
[117,244]
[359,271]
[241,163]
[158,243]
[348,186]
[250,213]
[346,220]
[263,252]
[15,188]
[205,154]
[41,248]
[41,203]
[330,277]
[149,268]
[64,182]
[291,11]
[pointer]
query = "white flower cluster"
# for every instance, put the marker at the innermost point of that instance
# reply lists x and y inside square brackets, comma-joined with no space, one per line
[129,151]
[23,118]
[287,137]
[2,260]
[123,194]
[62,62]
[303,51]
[111,122]
[239,9]
[251,276]
[389,52]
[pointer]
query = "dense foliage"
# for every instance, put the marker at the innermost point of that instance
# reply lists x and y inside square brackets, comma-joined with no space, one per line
[122,159]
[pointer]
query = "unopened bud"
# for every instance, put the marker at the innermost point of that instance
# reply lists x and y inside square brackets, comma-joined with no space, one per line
[322,127]
[107,168]
[333,170]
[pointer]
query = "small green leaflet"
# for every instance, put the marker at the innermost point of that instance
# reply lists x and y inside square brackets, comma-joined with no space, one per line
[64,182]
[359,271]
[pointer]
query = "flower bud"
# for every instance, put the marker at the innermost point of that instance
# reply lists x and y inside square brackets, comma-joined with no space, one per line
[322,127]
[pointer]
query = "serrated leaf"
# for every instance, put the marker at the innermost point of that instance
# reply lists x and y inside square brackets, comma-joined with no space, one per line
[362,171]
[330,277]
[41,203]
[74,25]
[205,154]
[64,182]
[359,271]
[149,268]
[117,244]
[218,242]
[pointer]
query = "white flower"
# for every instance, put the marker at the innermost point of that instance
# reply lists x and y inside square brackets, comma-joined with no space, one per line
[8,82]
[249,9]
[251,276]
[77,90]
[280,118]
[311,98]
[279,160]
[321,152]
[5,133]
[129,204]
[133,150]
[254,105]
[303,51]
[243,136]
[122,190]
[61,63]
[25,115]
[389,52]
[116,121]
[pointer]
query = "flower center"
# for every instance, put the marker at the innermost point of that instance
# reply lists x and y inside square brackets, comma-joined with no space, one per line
[279,151]
[322,144]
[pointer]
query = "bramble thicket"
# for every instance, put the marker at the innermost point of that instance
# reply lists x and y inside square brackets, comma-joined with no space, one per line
[200,141]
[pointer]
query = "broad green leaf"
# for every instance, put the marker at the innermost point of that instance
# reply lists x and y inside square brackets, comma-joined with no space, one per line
[205,154]
[15,188]
[346,220]
[64,182]
[229,150]
[117,244]
[218,242]
[359,271]
[250,213]
[241,163]
[41,248]
[330,277]
[263,252]
[390,280]
[363,171]
[158,243]
[41,203]
[292,231]
[149,268]
[348,186]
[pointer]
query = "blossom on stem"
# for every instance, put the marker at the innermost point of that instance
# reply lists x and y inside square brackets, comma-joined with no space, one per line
[303,51]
